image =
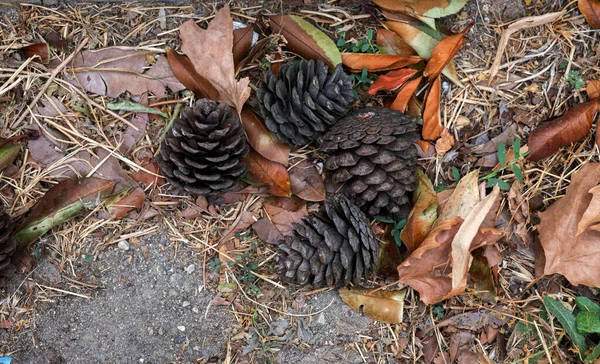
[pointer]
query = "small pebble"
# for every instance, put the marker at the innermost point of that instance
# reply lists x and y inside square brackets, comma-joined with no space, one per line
[185,303]
[190,268]
[195,309]
[123,245]
[173,292]
[181,328]
[161,331]
[179,340]
[150,331]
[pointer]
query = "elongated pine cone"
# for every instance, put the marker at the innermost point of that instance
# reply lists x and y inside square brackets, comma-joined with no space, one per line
[333,247]
[304,99]
[202,151]
[7,245]
[371,153]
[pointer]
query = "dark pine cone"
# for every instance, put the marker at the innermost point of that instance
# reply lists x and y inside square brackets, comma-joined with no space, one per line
[201,151]
[333,247]
[371,152]
[304,99]
[7,244]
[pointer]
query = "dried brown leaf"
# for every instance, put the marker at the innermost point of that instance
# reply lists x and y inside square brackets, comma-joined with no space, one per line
[383,306]
[267,231]
[262,140]
[271,174]
[591,12]
[569,128]
[443,53]
[284,216]
[463,199]
[185,72]
[432,125]
[405,94]
[593,89]
[423,214]
[444,143]
[41,50]
[356,62]
[307,182]
[391,80]
[241,223]
[519,209]
[390,43]
[242,42]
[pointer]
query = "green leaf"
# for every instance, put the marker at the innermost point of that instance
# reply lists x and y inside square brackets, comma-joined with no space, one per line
[593,355]
[455,174]
[340,42]
[567,320]
[517,148]
[365,47]
[401,224]
[502,154]
[126,105]
[387,220]
[517,172]
[370,34]
[588,322]
[585,304]
[498,182]
[8,154]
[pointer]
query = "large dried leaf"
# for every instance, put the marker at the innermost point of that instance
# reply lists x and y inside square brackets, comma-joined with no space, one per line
[593,89]
[242,42]
[356,62]
[306,182]
[569,230]
[391,80]
[389,42]
[443,53]
[405,94]
[429,268]
[591,12]
[268,173]
[432,125]
[210,50]
[262,140]
[382,306]
[61,203]
[462,200]
[284,216]
[423,214]
[427,8]
[569,128]
[305,39]
[185,72]
[112,71]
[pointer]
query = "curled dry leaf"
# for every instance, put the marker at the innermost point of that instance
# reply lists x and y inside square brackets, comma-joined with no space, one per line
[41,50]
[427,8]
[268,173]
[389,42]
[519,209]
[306,182]
[61,203]
[391,80]
[432,126]
[112,71]
[185,72]
[356,62]
[463,199]
[210,51]
[444,143]
[569,230]
[405,94]
[593,89]
[423,214]
[591,12]
[262,140]
[444,52]
[382,306]
[569,128]
[305,39]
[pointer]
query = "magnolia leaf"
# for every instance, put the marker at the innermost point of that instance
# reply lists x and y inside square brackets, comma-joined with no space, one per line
[262,140]
[432,125]
[8,153]
[443,53]
[405,94]
[427,8]
[268,173]
[382,306]
[389,42]
[423,214]
[305,39]
[356,62]
[61,203]
[127,105]
[185,72]
[391,80]
[569,128]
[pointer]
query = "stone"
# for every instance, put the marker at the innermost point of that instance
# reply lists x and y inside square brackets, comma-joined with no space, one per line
[123,245]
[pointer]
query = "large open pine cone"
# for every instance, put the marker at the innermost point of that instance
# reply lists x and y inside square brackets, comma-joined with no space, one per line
[7,244]
[201,152]
[304,99]
[371,153]
[333,247]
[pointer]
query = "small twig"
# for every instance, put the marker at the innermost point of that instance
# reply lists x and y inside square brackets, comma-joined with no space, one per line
[65,292]
[528,22]
[55,73]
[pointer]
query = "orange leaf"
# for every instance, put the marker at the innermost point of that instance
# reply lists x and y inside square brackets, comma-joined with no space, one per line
[262,140]
[432,127]
[443,53]
[591,12]
[423,144]
[390,43]
[423,214]
[271,174]
[41,50]
[146,178]
[185,72]
[132,199]
[383,306]
[356,62]
[391,80]
[421,7]
[593,89]
[404,95]
[444,143]
[242,42]
[562,131]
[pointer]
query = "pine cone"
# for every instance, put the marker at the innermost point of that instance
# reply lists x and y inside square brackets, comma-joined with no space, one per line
[201,151]
[301,102]
[333,247]
[7,245]
[371,152]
